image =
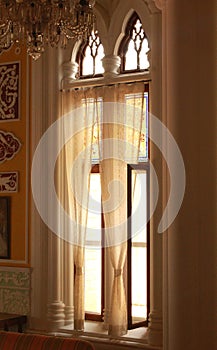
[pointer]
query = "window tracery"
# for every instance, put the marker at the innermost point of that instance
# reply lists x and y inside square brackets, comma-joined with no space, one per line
[90,57]
[134,47]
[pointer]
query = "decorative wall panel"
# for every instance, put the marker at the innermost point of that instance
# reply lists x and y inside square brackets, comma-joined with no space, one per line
[8,182]
[15,290]
[9,91]
[9,146]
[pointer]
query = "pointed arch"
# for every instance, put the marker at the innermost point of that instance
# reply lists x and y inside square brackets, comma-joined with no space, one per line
[89,56]
[121,17]
[134,47]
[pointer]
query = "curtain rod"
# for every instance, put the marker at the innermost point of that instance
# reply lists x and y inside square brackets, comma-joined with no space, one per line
[69,84]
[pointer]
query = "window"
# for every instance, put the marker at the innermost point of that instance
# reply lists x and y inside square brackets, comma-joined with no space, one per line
[134,47]
[137,263]
[94,255]
[116,287]
[89,57]
[138,245]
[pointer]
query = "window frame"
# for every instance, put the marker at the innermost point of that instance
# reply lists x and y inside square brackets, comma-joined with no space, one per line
[140,166]
[91,316]
[144,165]
[125,76]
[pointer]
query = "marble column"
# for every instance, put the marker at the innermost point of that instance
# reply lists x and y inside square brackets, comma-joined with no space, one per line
[55,305]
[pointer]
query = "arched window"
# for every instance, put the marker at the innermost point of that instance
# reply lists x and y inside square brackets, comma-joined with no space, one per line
[130,109]
[134,47]
[90,57]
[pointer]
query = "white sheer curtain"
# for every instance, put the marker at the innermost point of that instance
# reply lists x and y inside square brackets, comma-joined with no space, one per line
[121,134]
[80,106]
[121,119]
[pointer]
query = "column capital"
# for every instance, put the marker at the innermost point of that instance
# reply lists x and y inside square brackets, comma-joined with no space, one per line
[111,64]
[70,70]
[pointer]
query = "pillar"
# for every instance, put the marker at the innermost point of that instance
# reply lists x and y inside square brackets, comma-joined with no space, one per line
[68,265]
[155,325]
[189,57]
[55,307]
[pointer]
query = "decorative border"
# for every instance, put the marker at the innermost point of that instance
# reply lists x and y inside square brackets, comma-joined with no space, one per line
[8,182]
[24,260]
[15,290]
[4,227]
[10,91]
[9,145]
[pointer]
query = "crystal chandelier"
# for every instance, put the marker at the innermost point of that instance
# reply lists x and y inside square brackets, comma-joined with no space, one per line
[38,23]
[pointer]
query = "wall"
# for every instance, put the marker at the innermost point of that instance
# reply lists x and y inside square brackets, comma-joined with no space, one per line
[14,270]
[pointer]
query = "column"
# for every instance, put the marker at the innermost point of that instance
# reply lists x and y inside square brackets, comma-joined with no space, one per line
[108,290]
[189,49]
[68,264]
[55,307]
[47,307]
[155,326]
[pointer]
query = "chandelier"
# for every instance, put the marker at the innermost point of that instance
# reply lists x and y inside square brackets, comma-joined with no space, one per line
[38,23]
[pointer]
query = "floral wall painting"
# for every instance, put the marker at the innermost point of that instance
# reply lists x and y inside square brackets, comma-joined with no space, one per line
[4,228]
[9,146]
[9,91]
[8,181]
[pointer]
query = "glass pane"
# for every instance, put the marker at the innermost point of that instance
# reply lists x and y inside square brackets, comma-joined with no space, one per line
[93,256]
[136,105]
[98,61]
[139,245]
[92,56]
[131,57]
[136,54]
[144,63]
[94,110]
[87,67]
[93,280]
[143,151]
[139,284]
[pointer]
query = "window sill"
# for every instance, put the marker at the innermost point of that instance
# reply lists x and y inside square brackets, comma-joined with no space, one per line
[69,83]
[94,332]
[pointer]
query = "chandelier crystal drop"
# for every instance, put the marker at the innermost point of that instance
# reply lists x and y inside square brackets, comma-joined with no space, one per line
[38,23]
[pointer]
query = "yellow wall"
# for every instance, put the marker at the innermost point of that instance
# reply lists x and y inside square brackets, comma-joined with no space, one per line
[19,203]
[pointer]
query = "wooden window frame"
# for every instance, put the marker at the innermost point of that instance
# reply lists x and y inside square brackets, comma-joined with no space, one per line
[140,166]
[90,316]
[99,317]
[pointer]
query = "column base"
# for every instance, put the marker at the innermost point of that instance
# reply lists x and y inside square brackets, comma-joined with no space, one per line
[69,315]
[155,329]
[55,315]
[106,313]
